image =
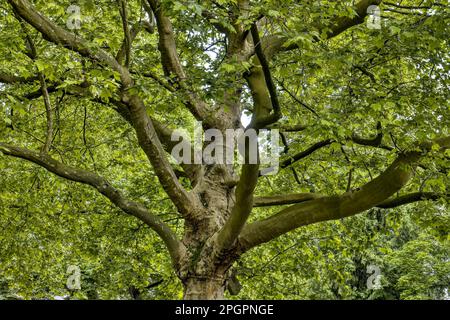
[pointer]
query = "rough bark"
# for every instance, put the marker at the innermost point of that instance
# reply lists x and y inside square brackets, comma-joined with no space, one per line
[204,289]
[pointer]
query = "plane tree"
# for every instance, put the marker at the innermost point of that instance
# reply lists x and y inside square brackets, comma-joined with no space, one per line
[358,94]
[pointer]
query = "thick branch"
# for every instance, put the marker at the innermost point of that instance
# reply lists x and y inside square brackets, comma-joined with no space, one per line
[242,208]
[147,136]
[165,136]
[152,147]
[342,24]
[164,133]
[244,201]
[172,67]
[105,188]
[60,36]
[368,196]
[274,44]
[167,46]
[277,114]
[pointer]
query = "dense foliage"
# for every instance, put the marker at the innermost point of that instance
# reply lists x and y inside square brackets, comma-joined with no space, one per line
[367,95]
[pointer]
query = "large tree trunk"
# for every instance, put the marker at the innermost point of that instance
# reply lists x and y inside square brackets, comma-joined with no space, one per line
[204,289]
[202,270]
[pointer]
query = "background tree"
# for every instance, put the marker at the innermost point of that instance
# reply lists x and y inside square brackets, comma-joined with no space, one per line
[363,115]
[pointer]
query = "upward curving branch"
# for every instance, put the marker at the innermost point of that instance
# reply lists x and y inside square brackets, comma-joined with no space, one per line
[167,46]
[396,176]
[275,43]
[242,208]
[154,150]
[277,114]
[172,66]
[105,188]
[60,36]
[146,134]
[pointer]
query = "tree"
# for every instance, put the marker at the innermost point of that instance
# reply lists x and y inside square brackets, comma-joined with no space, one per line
[313,70]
